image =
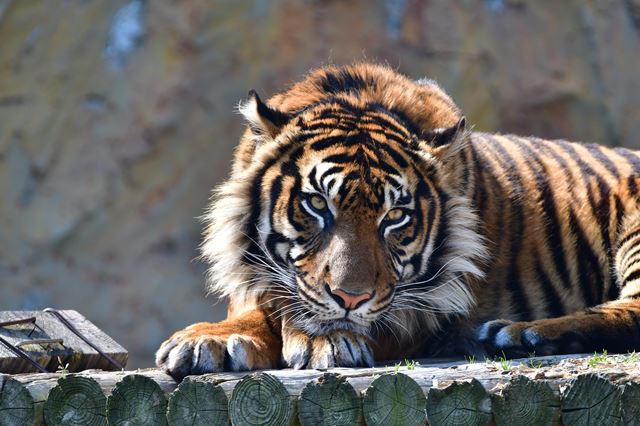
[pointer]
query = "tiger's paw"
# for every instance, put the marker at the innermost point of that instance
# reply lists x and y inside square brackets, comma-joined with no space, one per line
[519,339]
[199,350]
[337,349]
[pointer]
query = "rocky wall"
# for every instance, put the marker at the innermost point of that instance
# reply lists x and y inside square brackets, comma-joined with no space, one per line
[117,118]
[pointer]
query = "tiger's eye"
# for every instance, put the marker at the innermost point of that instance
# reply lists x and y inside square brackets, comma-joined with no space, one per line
[318,202]
[395,214]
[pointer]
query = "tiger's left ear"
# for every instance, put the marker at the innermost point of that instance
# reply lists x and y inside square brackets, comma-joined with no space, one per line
[263,119]
[446,141]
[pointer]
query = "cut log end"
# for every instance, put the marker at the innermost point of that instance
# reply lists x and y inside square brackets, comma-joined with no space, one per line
[198,403]
[525,402]
[137,400]
[329,400]
[16,403]
[461,403]
[394,399]
[260,399]
[76,401]
[591,400]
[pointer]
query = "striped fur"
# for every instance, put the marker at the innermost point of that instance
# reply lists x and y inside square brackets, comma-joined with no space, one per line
[359,181]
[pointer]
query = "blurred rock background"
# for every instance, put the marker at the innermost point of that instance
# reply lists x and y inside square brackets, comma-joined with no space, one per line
[116,120]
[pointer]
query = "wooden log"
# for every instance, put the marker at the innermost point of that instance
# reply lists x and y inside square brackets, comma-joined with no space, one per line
[525,402]
[16,403]
[591,400]
[394,399]
[76,401]
[74,353]
[631,404]
[137,400]
[461,403]
[260,399]
[40,385]
[198,403]
[292,388]
[329,400]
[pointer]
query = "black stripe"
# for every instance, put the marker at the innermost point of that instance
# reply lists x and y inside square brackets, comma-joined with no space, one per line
[342,158]
[395,155]
[330,171]
[344,81]
[313,180]
[301,289]
[604,159]
[634,250]
[554,305]
[256,195]
[546,199]
[629,237]
[633,187]
[633,276]
[589,271]
[294,195]
[632,157]
[516,233]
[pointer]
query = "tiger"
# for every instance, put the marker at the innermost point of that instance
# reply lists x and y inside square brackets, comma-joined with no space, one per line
[364,221]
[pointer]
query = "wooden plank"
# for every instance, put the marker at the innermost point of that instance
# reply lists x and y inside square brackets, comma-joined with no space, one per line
[75,352]
[568,381]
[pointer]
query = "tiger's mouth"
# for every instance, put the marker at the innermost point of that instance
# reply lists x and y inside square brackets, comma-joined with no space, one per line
[320,327]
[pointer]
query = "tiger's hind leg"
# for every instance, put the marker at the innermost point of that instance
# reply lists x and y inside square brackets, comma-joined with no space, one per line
[614,325]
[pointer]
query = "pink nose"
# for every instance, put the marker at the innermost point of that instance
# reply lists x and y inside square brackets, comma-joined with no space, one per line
[349,300]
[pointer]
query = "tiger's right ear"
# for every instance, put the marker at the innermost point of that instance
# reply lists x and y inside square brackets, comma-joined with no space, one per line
[262,119]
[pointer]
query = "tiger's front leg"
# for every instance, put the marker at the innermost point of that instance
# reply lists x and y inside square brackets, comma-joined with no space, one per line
[249,342]
[339,348]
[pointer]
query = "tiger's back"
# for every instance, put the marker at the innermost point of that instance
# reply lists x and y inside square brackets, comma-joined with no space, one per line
[552,212]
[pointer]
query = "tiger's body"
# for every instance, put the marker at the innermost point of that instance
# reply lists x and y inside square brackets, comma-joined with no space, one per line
[363,222]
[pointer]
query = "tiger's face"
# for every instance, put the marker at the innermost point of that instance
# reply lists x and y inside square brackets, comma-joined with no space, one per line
[346,207]
[353,214]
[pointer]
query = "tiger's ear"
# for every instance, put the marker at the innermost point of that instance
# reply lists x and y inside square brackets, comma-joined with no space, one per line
[445,141]
[262,119]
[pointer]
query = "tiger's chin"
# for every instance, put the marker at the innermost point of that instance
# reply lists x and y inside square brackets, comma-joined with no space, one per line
[315,327]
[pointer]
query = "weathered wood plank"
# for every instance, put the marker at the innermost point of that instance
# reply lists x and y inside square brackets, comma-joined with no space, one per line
[463,386]
[75,352]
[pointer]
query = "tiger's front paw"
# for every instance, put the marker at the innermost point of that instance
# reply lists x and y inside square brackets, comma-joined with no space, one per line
[519,339]
[201,348]
[336,349]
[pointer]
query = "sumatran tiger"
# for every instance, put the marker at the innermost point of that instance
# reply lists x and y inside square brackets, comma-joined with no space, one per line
[364,221]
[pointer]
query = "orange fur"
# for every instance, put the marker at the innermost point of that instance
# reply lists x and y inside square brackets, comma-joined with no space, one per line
[503,243]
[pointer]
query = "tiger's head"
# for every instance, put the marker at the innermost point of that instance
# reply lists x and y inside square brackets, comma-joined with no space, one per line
[347,207]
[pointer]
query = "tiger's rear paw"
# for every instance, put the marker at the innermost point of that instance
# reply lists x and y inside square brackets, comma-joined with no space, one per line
[518,339]
[337,349]
[198,350]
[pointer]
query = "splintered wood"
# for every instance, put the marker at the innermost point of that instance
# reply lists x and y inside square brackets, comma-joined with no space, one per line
[33,341]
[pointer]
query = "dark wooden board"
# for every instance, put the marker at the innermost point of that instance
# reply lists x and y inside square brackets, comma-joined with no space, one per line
[74,351]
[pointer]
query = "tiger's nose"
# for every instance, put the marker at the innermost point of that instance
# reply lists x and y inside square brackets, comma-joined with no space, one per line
[349,300]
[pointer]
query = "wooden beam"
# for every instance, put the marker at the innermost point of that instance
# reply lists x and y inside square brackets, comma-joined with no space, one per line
[37,334]
[543,391]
